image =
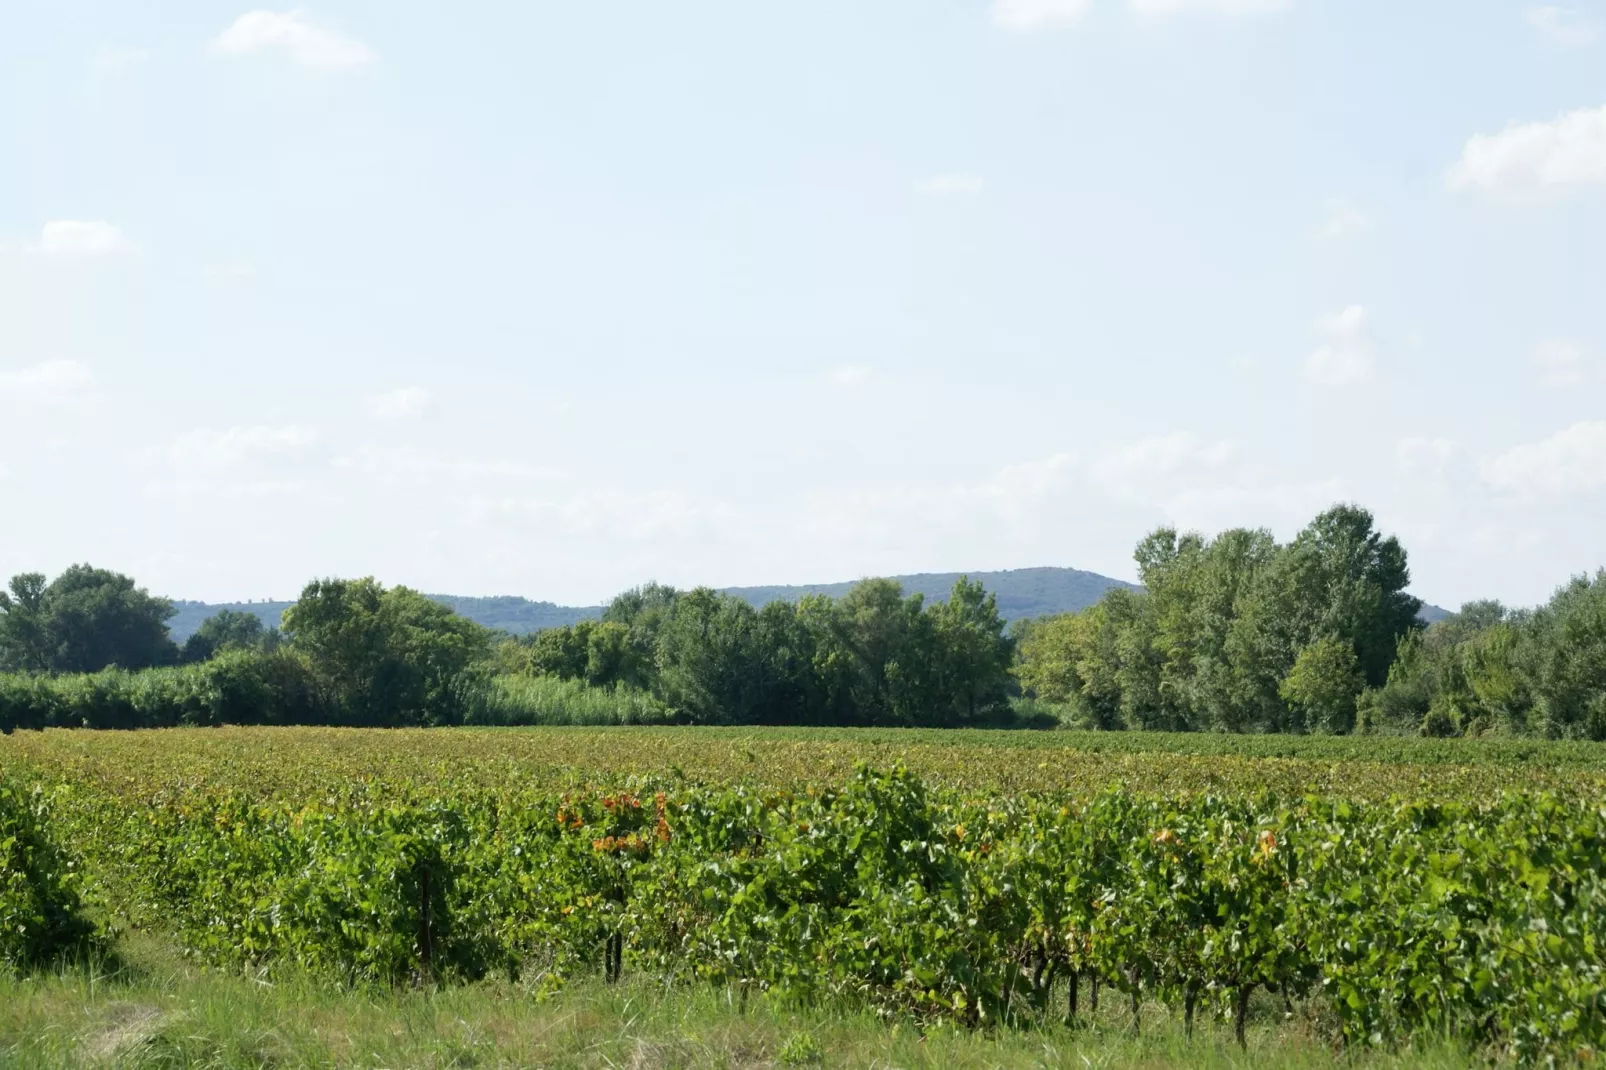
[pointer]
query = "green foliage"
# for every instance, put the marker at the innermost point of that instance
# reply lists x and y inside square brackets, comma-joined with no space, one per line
[83,621]
[549,700]
[1323,685]
[1489,670]
[40,913]
[235,687]
[1476,920]
[229,630]
[385,656]
[601,653]
[871,657]
[1235,633]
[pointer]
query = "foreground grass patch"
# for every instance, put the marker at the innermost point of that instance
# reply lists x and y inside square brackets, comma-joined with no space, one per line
[157,1010]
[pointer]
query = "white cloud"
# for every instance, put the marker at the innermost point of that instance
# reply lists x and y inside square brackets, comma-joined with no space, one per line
[1348,356]
[850,374]
[1563,26]
[405,465]
[1426,456]
[635,516]
[1562,362]
[305,42]
[954,183]
[1343,218]
[1163,456]
[82,237]
[1572,461]
[1165,8]
[399,404]
[206,449]
[229,270]
[1534,158]
[112,61]
[1039,14]
[54,380]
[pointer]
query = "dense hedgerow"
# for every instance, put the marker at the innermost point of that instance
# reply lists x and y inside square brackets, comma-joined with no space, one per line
[1477,920]
[40,913]
[280,687]
[235,687]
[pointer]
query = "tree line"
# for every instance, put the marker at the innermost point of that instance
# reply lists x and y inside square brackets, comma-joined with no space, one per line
[92,648]
[1236,633]
[1242,634]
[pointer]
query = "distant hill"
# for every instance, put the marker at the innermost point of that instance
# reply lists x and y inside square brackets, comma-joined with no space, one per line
[508,613]
[1021,592]
[1433,614]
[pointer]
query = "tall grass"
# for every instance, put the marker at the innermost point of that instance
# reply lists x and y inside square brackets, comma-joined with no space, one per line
[157,1010]
[547,700]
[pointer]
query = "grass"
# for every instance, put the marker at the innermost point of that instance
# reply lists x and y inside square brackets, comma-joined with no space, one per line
[547,700]
[158,1010]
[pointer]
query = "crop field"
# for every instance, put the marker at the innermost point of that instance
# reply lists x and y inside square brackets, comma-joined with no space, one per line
[1381,891]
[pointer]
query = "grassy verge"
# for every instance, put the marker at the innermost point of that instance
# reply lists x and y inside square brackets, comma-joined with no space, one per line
[157,1010]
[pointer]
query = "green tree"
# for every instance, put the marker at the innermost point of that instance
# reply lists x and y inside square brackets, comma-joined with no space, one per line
[973,655]
[1323,686]
[228,629]
[1567,663]
[24,639]
[385,656]
[1349,581]
[710,665]
[85,620]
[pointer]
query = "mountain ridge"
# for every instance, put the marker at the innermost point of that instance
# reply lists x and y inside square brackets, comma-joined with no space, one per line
[1021,593]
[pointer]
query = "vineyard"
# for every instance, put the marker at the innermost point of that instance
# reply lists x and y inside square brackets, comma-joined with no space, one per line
[1459,894]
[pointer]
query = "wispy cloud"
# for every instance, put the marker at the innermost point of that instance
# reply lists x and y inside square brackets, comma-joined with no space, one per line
[1563,362]
[953,183]
[1342,219]
[1165,8]
[82,237]
[1563,26]
[291,32]
[1348,356]
[849,374]
[399,404]
[1426,456]
[114,61]
[1529,159]
[1570,462]
[1039,14]
[207,449]
[229,270]
[54,380]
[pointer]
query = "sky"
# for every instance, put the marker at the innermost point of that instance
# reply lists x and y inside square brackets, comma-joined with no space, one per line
[551,299]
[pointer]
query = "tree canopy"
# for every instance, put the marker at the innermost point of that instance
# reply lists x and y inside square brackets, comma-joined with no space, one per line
[83,621]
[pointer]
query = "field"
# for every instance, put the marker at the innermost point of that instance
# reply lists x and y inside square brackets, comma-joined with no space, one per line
[749,896]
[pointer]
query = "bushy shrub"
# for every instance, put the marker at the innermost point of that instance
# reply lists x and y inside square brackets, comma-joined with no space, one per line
[40,913]
[236,687]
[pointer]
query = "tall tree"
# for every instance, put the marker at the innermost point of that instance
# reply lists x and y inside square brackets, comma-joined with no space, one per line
[972,654]
[24,638]
[228,629]
[385,656]
[83,621]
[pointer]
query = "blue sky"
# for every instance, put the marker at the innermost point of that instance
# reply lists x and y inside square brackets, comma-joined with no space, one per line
[550,299]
